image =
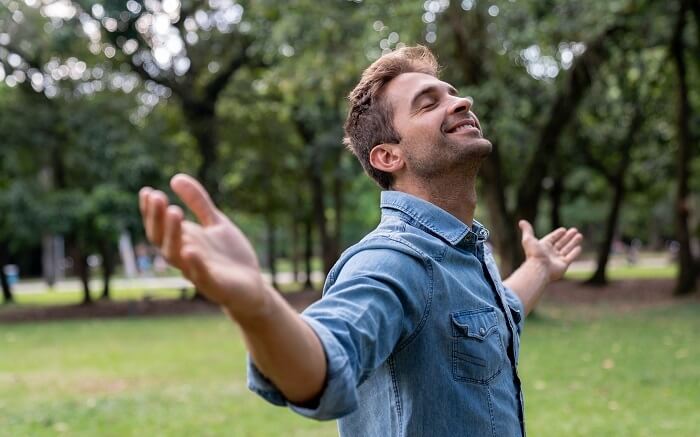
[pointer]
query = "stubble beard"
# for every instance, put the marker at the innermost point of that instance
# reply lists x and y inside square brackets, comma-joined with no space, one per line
[449,156]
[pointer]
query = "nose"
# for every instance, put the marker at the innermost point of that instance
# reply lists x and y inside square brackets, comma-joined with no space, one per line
[461,104]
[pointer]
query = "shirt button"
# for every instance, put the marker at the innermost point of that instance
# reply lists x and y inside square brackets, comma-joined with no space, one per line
[482,331]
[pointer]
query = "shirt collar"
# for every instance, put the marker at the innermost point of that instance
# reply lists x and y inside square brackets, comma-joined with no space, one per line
[433,218]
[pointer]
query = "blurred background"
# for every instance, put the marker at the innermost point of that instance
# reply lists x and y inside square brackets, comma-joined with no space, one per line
[593,109]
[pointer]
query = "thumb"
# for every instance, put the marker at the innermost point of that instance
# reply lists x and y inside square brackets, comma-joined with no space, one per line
[526,229]
[196,269]
[195,197]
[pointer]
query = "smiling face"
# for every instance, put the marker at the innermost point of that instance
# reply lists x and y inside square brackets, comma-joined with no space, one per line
[438,131]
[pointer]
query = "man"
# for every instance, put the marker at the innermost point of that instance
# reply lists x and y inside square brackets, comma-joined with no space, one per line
[416,333]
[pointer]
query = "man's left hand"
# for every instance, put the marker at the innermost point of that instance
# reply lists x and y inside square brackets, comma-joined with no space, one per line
[554,252]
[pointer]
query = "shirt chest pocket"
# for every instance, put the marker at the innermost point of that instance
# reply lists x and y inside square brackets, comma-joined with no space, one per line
[478,354]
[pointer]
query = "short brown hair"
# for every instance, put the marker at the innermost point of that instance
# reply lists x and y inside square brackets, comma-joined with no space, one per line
[369,120]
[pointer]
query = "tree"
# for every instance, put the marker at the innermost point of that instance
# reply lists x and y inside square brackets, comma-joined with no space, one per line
[193,48]
[687,272]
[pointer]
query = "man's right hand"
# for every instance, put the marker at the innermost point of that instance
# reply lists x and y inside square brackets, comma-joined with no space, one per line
[213,254]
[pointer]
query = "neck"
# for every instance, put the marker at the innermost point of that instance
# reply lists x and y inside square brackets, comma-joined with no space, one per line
[455,194]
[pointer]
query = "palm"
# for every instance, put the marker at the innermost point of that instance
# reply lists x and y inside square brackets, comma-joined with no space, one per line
[556,250]
[212,252]
[228,258]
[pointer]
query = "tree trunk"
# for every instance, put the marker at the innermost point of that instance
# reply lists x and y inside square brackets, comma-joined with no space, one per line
[202,124]
[338,205]
[82,269]
[7,295]
[328,253]
[294,252]
[599,278]
[555,194]
[107,270]
[469,31]
[271,250]
[308,252]
[505,236]
[687,275]
[617,180]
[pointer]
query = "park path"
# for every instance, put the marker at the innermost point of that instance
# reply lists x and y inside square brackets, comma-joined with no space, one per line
[36,286]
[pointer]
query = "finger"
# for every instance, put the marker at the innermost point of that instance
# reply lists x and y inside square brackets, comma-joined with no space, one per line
[143,207]
[575,242]
[157,202]
[526,229]
[565,239]
[143,200]
[172,235]
[553,236]
[571,256]
[195,197]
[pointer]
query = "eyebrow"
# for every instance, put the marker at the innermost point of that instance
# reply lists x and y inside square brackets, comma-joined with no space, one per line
[431,89]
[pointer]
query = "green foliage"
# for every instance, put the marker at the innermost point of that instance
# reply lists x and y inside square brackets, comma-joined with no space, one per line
[72,160]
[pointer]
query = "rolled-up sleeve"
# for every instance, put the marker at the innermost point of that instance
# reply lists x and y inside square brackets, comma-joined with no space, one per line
[359,321]
[335,401]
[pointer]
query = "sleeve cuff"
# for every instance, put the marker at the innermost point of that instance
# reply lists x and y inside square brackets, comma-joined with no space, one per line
[339,395]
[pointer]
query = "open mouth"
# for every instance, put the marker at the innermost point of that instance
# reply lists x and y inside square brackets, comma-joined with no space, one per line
[464,126]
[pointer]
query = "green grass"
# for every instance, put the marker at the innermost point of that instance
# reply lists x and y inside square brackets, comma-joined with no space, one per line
[592,373]
[612,375]
[165,376]
[630,272]
[75,296]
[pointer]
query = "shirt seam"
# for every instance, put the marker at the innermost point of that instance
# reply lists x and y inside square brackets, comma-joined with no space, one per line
[429,294]
[397,397]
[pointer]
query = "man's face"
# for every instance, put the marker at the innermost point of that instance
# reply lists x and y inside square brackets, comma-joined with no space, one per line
[438,131]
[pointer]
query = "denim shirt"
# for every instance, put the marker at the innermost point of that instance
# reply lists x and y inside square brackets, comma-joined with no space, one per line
[421,336]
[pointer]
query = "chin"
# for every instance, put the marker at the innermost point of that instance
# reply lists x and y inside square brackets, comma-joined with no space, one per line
[484,145]
[478,147]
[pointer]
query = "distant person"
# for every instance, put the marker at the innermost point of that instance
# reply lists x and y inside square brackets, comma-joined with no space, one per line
[143,260]
[416,334]
[633,251]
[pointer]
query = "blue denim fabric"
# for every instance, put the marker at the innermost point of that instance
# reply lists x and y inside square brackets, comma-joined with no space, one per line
[420,334]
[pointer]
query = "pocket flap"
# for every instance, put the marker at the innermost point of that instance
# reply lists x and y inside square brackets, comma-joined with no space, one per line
[474,323]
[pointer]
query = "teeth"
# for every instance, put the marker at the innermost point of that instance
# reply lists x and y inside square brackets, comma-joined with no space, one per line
[463,128]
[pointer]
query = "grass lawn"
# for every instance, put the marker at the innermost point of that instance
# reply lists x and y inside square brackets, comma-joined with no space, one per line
[593,373]
[74,297]
[630,272]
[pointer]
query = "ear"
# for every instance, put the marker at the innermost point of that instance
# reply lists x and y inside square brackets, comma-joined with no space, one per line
[386,157]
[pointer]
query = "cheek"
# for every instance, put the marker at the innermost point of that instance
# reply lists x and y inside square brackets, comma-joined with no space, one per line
[429,126]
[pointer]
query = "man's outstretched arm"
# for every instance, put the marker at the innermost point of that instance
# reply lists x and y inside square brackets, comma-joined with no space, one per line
[546,260]
[220,261]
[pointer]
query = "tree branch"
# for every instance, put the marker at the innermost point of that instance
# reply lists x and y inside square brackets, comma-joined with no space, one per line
[469,56]
[219,81]
[565,104]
